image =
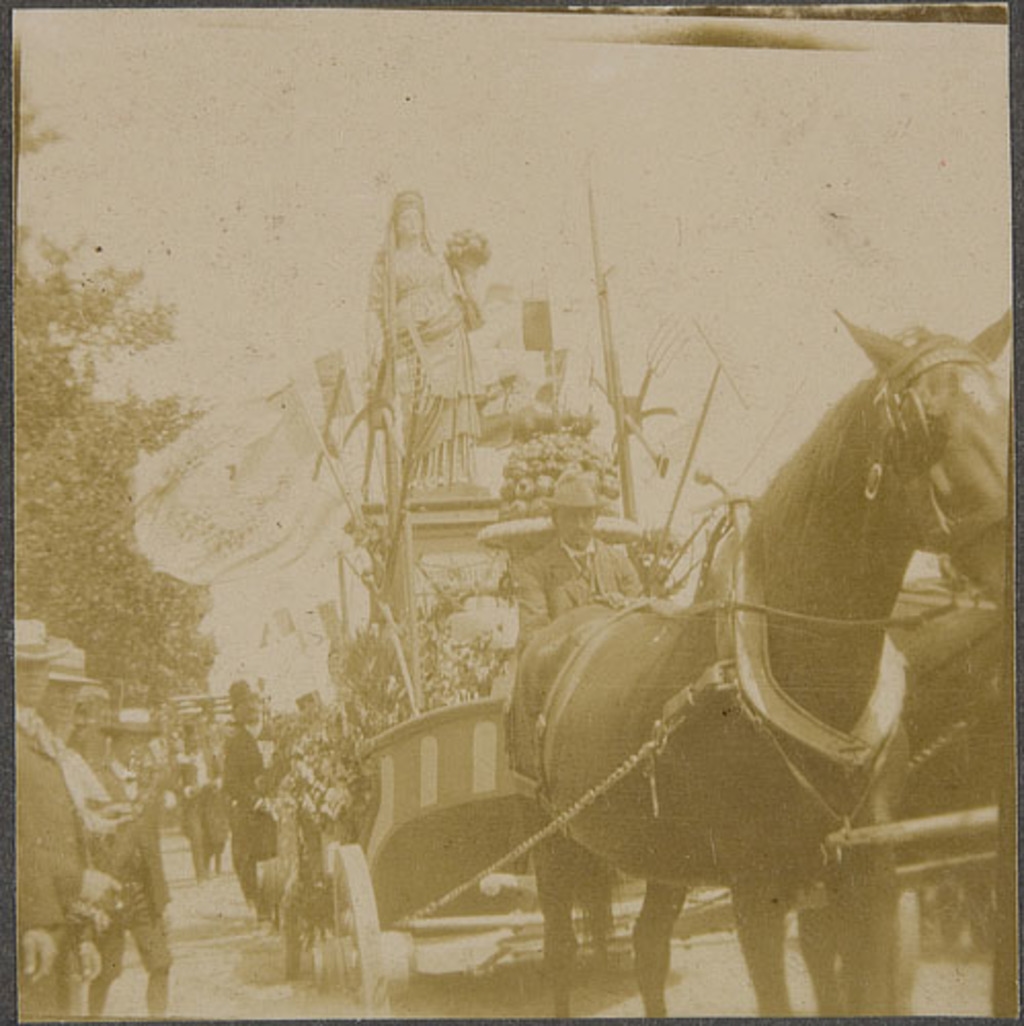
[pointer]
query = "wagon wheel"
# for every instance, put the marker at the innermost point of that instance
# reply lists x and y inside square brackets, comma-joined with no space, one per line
[357,928]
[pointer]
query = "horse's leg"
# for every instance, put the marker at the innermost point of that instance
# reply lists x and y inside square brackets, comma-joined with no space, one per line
[819,945]
[760,908]
[553,865]
[869,898]
[595,879]
[868,933]
[652,943]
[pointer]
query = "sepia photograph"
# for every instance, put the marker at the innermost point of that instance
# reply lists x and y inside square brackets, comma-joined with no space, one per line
[511,513]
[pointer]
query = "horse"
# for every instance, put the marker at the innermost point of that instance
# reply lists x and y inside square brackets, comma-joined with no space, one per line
[959,695]
[769,710]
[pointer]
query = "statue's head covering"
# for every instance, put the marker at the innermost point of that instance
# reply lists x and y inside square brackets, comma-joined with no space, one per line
[410,199]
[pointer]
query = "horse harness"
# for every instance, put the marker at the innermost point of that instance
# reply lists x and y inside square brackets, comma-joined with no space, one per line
[743,670]
[912,440]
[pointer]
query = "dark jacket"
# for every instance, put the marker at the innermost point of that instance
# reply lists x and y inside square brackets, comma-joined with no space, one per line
[550,582]
[51,856]
[243,766]
[132,856]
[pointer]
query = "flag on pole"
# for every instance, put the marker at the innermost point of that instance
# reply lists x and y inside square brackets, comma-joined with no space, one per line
[537,326]
[283,622]
[331,621]
[335,387]
[235,495]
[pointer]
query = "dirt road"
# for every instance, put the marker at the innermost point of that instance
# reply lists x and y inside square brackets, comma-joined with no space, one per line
[228,967]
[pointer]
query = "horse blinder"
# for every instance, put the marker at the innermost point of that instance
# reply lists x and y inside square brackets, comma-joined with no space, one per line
[918,439]
[912,440]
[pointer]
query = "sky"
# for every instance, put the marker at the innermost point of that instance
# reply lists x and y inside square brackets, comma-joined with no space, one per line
[244,160]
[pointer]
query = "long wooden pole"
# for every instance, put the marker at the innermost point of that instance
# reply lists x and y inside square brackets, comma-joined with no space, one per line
[403,589]
[694,442]
[411,683]
[611,371]
[977,823]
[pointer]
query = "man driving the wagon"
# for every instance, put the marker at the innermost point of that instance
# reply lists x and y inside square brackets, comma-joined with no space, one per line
[575,568]
[572,571]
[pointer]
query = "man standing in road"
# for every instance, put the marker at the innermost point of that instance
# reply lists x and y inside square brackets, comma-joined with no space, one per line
[60,899]
[133,856]
[198,781]
[243,770]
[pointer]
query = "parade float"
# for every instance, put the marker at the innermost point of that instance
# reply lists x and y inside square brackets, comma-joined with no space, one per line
[395,796]
[405,837]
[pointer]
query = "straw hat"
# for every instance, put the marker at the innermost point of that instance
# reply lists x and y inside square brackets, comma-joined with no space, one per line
[134,721]
[68,667]
[33,645]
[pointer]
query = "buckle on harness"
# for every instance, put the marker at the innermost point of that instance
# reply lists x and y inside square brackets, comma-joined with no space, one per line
[718,676]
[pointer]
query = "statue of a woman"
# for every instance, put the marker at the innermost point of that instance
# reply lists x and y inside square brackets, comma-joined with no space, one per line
[422,312]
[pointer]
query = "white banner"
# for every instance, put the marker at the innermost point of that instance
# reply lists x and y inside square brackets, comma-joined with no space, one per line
[235,495]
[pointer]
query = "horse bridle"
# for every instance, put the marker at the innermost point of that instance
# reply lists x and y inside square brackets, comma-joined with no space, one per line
[912,441]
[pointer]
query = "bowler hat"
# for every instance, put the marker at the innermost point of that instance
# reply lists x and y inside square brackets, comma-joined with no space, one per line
[575,490]
[240,692]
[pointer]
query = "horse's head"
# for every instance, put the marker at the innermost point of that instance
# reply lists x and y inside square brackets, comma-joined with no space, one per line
[943,443]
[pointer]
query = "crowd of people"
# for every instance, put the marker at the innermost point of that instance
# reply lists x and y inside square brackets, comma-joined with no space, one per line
[95,786]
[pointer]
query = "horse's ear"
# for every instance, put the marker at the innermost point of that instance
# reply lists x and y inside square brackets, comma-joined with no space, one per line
[881,350]
[991,342]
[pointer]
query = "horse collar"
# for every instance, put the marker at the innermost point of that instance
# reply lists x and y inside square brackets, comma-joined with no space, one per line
[769,704]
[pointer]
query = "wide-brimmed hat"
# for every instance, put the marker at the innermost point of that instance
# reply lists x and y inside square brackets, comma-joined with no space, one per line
[68,667]
[137,722]
[32,644]
[575,489]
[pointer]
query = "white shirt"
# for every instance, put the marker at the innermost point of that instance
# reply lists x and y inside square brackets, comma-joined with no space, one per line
[127,777]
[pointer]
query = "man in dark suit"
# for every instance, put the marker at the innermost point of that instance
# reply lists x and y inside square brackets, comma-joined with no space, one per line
[573,570]
[133,856]
[243,770]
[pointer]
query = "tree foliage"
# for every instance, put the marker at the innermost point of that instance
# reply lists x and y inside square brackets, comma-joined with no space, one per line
[76,563]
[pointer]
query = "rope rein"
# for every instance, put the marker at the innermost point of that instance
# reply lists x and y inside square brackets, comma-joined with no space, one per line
[910,622]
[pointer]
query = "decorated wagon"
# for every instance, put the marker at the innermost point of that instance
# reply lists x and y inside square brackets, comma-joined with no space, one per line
[439,881]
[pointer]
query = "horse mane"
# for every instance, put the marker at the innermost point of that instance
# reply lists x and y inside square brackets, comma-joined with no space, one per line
[812,470]
[815,468]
